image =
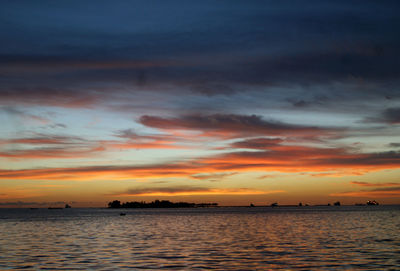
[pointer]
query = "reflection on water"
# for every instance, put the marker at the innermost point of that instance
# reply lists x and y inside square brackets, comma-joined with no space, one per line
[359,237]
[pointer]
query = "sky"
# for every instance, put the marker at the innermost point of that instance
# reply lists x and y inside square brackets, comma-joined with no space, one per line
[234,102]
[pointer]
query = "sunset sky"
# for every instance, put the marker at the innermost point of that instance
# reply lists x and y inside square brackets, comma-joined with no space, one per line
[234,102]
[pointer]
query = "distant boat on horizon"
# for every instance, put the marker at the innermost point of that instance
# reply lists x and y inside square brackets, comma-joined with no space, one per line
[373,202]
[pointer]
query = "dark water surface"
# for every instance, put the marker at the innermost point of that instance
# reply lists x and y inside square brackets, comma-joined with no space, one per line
[320,238]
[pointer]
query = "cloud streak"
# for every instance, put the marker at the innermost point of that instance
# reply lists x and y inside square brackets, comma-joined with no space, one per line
[392,115]
[282,159]
[191,190]
[42,146]
[375,184]
[229,125]
[392,192]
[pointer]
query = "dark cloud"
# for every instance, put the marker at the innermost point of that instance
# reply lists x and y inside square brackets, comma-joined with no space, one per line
[394,145]
[202,56]
[48,94]
[127,133]
[392,115]
[58,125]
[257,143]
[315,99]
[229,123]
[390,158]
[204,47]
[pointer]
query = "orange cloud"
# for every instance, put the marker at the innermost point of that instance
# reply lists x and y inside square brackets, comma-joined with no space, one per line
[268,155]
[19,193]
[290,159]
[375,184]
[189,191]
[143,144]
[369,194]
[218,175]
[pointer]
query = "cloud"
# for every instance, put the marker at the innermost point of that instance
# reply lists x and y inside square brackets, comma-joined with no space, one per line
[58,125]
[65,64]
[227,49]
[191,190]
[23,115]
[47,153]
[47,95]
[43,139]
[42,146]
[135,141]
[375,184]
[390,158]
[207,176]
[229,125]
[392,115]
[101,172]
[281,158]
[257,143]
[269,176]
[388,192]
[394,145]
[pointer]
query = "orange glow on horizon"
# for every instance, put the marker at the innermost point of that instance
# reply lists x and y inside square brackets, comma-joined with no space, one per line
[205,192]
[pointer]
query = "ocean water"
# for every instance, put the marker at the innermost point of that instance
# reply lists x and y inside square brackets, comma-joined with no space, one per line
[261,238]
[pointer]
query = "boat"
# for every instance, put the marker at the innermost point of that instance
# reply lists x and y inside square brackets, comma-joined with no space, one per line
[373,202]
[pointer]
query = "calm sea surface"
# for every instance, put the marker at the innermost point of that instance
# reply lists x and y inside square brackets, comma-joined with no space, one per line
[320,238]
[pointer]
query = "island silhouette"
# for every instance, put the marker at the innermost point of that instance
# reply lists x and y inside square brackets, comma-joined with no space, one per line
[168,204]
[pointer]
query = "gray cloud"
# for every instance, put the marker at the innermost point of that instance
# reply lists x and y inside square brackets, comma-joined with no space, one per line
[392,115]
[394,145]
[242,124]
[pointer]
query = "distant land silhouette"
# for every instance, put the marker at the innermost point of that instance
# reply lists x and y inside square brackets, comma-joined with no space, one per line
[158,204]
[169,204]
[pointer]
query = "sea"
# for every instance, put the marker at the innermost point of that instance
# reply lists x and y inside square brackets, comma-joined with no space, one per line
[225,238]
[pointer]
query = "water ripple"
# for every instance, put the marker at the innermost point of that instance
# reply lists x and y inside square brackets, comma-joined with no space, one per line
[198,239]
